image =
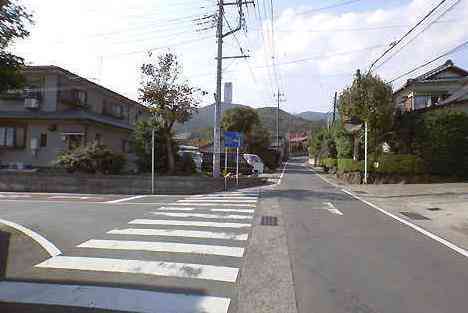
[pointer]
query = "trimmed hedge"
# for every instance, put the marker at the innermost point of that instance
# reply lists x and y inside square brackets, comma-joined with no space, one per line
[328,163]
[399,164]
[350,165]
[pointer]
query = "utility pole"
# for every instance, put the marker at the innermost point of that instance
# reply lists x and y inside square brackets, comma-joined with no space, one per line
[278,96]
[334,108]
[219,69]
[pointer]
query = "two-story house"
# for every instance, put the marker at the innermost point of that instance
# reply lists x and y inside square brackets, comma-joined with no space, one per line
[434,89]
[58,111]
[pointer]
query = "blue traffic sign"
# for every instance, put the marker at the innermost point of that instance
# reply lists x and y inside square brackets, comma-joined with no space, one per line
[232,139]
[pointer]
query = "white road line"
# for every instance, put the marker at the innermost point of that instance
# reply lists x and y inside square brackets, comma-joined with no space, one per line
[208,216]
[171,247]
[413,226]
[44,243]
[230,194]
[179,233]
[157,268]
[223,198]
[188,223]
[233,210]
[125,199]
[216,201]
[104,298]
[248,205]
[332,209]
[282,173]
[165,208]
[71,197]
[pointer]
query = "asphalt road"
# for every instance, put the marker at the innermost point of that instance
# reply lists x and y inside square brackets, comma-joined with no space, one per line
[348,257]
[171,254]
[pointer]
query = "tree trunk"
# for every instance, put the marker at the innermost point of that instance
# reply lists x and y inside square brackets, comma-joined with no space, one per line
[170,154]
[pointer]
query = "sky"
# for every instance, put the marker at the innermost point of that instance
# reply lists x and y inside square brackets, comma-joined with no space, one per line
[316,45]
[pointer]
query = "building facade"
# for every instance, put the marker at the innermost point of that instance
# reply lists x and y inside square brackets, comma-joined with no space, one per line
[59,111]
[434,89]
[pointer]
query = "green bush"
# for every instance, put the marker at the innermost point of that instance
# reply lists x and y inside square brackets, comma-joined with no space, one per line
[350,165]
[399,164]
[91,159]
[443,142]
[185,164]
[328,163]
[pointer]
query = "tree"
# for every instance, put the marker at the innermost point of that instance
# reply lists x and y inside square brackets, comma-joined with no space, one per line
[142,137]
[169,97]
[369,99]
[13,21]
[241,120]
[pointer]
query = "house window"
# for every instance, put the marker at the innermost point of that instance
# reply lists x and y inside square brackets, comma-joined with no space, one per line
[81,97]
[12,137]
[420,102]
[98,139]
[43,140]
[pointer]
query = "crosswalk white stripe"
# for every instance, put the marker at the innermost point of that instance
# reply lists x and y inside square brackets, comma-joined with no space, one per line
[223,198]
[108,298]
[233,210]
[179,233]
[164,208]
[157,268]
[228,194]
[189,223]
[192,204]
[217,201]
[171,247]
[207,216]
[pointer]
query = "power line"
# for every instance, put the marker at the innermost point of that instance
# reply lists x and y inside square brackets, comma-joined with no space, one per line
[394,44]
[418,34]
[451,51]
[333,6]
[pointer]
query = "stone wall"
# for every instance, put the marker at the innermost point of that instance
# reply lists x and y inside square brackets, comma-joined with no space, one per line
[117,184]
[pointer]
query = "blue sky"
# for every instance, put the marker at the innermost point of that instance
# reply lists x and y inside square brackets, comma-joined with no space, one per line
[316,53]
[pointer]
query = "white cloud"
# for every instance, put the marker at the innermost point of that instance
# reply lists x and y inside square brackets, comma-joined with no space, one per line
[79,34]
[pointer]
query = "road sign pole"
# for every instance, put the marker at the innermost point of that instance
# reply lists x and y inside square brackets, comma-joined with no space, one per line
[237,167]
[152,161]
[225,159]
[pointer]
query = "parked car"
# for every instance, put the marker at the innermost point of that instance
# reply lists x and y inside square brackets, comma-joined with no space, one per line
[244,167]
[256,162]
[196,155]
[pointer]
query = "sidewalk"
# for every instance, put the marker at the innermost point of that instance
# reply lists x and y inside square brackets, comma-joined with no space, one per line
[444,205]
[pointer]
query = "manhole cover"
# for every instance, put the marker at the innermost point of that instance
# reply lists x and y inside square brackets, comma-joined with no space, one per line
[434,209]
[414,216]
[269,221]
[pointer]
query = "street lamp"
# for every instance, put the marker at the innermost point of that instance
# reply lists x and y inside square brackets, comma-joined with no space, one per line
[353,125]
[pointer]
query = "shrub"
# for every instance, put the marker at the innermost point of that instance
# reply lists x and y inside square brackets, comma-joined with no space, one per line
[443,142]
[185,164]
[328,163]
[350,165]
[91,159]
[399,164]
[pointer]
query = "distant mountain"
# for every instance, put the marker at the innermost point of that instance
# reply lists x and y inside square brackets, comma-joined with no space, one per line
[288,122]
[313,116]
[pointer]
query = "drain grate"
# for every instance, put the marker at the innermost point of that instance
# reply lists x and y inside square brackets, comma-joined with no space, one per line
[414,216]
[434,209]
[269,221]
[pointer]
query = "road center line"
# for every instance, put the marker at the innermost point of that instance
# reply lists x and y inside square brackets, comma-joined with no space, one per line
[282,173]
[249,205]
[157,268]
[44,243]
[332,208]
[126,199]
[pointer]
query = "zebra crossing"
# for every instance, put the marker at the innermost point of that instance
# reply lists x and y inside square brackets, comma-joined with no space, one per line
[197,243]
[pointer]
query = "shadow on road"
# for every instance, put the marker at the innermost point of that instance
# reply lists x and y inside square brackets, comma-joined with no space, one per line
[4,248]
[305,195]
